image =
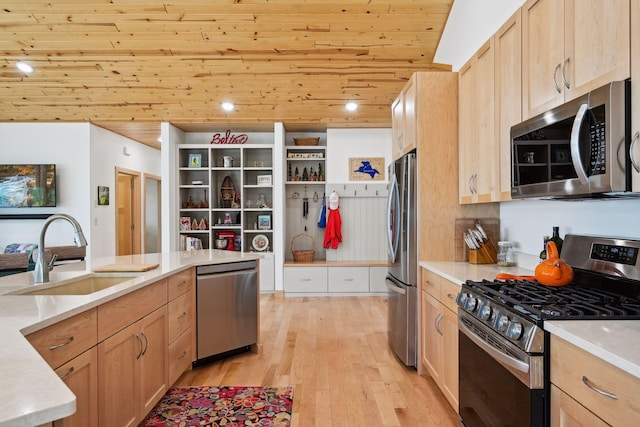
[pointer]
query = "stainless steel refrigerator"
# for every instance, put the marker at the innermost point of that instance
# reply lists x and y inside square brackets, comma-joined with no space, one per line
[402,253]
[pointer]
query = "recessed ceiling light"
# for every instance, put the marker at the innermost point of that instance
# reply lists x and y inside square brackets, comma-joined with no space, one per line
[227,106]
[351,106]
[24,67]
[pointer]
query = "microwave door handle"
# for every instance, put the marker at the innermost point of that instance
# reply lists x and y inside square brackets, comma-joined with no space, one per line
[634,163]
[575,144]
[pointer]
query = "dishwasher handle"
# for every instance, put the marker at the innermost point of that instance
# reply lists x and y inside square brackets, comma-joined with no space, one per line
[202,278]
[226,267]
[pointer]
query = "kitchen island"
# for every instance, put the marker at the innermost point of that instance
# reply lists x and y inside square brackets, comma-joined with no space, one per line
[31,393]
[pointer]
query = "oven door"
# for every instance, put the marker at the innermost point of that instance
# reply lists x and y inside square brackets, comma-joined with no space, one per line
[500,385]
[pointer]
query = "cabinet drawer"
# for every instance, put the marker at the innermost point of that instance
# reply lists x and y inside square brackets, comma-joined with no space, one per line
[115,315]
[570,364]
[180,355]
[180,315]
[305,279]
[448,293]
[430,282]
[61,342]
[180,283]
[348,279]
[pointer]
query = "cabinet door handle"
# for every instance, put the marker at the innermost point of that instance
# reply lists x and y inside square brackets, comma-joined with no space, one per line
[184,313]
[348,280]
[184,282]
[146,343]
[555,80]
[564,77]
[588,383]
[69,372]
[141,346]
[305,280]
[470,186]
[182,356]
[437,323]
[450,296]
[57,346]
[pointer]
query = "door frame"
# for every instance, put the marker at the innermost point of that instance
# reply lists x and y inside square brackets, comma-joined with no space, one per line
[136,215]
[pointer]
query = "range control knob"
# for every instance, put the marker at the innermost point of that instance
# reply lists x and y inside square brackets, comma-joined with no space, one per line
[485,312]
[515,330]
[502,323]
[461,298]
[471,304]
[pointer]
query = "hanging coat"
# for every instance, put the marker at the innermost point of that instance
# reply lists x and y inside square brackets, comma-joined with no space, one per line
[333,232]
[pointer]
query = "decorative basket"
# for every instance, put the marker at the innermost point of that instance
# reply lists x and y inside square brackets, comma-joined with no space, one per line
[306,141]
[303,255]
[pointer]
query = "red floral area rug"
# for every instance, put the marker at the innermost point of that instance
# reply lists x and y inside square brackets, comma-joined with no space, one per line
[223,406]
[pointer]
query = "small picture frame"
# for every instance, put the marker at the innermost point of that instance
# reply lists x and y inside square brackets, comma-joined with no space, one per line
[562,156]
[185,223]
[195,160]
[263,180]
[264,222]
[103,196]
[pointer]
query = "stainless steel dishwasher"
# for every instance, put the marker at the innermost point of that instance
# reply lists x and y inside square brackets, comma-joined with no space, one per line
[227,308]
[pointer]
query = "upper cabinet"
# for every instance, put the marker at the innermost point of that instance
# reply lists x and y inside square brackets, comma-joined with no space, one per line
[508,106]
[570,48]
[477,142]
[404,120]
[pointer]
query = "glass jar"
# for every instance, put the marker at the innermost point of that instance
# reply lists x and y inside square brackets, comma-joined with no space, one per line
[506,257]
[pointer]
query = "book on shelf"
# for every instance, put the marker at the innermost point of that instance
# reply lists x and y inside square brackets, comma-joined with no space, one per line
[188,243]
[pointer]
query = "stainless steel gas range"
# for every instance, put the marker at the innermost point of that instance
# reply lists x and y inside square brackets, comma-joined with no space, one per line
[503,348]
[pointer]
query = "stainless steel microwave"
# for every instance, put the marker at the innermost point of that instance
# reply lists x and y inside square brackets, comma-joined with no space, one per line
[581,148]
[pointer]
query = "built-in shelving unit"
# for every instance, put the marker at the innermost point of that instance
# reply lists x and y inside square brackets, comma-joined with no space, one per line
[305,174]
[226,193]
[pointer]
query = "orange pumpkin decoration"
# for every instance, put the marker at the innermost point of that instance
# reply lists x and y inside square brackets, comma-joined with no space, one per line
[553,271]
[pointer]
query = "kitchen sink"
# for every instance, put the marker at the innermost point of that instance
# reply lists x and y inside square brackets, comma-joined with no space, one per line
[81,286]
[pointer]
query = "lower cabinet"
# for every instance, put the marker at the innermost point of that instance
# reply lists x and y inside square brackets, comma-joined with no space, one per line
[439,340]
[587,390]
[132,370]
[334,279]
[81,376]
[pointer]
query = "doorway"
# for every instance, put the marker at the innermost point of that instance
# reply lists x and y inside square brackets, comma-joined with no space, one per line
[128,233]
[152,214]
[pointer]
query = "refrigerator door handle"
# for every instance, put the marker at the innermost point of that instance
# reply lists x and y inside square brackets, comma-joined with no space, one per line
[393,208]
[397,289]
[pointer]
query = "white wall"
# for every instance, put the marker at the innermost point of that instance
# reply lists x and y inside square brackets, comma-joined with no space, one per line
[470,24]
[66,145]
[107,153]
[345,143]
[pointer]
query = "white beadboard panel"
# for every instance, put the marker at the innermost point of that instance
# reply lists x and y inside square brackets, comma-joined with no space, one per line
[363,230]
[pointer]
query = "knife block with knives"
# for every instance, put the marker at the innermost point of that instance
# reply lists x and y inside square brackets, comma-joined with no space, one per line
[477,244]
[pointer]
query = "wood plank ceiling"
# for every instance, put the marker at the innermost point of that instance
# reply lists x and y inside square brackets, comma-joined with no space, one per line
[128,65]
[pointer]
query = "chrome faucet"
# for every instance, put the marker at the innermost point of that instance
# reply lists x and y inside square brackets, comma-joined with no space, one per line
[41,272]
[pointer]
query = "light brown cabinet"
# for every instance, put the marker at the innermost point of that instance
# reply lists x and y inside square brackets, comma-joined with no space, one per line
[582,380]
[132,370]
[404,120]
[182,320]
[132,355]
[477,141]
[571,47]
[80,374]
[508,86]
[69,347]
[439,333]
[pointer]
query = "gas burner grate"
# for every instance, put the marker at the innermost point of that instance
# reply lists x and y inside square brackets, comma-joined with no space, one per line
[538,302]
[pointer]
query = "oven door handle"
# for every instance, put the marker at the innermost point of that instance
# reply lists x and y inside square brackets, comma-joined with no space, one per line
[500,357]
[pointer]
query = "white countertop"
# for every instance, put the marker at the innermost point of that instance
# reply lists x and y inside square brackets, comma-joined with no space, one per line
[617,342]
[30,391]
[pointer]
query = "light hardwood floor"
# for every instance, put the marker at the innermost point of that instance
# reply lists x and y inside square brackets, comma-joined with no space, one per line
[334,352]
